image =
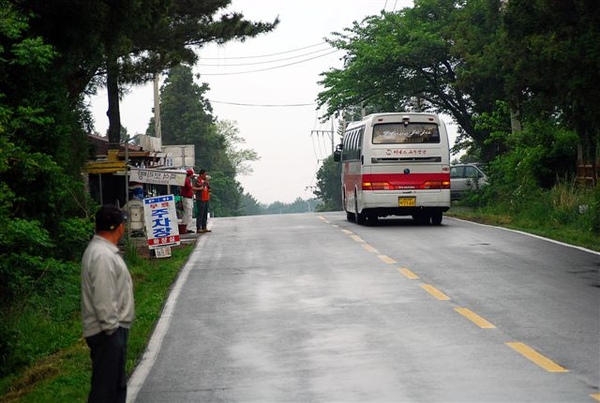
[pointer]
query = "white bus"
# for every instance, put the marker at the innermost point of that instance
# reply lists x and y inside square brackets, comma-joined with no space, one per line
[395,164]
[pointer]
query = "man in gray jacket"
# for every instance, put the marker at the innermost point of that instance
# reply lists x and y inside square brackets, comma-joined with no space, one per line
[107,307]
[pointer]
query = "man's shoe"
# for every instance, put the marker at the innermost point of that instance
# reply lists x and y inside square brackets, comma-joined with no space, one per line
[206,230]
[199,231]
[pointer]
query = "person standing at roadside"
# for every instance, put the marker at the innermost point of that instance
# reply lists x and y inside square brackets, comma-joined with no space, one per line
[187,195]
[203,200]
[107,307]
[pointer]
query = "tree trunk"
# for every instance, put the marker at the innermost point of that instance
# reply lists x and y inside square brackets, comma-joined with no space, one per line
[113,113]
[515,120]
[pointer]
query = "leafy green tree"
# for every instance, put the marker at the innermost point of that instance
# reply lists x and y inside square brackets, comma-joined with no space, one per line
[186,117]
[552,50]
[239,157]
[117,43]
[41,196]
[432,57]
[297,206]
[329,185]
[144,37]
[250,206]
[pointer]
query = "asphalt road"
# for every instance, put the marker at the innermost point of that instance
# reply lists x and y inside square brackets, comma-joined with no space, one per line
[312,308]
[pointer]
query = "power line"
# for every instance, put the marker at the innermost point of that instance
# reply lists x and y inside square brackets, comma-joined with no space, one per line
[269,55]
[261,105]
[270,68]
[265,62]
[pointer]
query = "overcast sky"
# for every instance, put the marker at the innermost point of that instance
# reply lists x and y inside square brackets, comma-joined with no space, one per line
[275,108]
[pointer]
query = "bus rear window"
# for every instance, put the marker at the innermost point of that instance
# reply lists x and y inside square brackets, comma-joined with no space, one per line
[411,133]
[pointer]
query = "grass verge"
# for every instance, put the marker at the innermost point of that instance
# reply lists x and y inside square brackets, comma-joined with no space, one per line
[570,234]
[65,375]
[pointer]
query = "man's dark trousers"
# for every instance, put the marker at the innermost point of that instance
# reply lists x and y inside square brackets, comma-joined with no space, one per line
[202,218]
[108,353]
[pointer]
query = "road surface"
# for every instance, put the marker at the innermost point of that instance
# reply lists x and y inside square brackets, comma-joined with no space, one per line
[313,308]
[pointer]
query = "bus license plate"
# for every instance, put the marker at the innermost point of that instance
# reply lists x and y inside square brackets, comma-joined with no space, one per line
[407,201]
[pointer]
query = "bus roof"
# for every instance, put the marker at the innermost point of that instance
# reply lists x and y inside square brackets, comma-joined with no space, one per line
[389,116]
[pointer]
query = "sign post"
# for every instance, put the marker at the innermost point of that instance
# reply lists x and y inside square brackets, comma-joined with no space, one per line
[160,219]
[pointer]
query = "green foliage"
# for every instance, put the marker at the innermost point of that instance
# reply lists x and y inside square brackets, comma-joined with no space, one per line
[44,335]
[250,206]
[534,158]
[44,302]
[551,53]
[42,199]
[187,119]
[539,59]
[297,206]
[239,157]
[438,56]
[329,185]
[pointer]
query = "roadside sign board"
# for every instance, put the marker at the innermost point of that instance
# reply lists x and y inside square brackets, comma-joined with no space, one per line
[161,221]
[157,177]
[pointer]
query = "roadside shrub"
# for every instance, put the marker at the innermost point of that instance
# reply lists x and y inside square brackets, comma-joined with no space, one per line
[594,210]
[565,199]
[73,237]
[34,325]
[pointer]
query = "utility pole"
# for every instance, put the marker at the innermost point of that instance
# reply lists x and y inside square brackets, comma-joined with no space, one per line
[329,133]
[157,128]
[332,134]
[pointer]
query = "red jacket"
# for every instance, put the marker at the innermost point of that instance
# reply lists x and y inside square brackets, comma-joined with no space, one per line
[186,190]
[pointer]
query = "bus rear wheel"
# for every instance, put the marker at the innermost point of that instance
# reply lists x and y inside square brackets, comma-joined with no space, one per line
[361,218]
[436,218]
[421,218]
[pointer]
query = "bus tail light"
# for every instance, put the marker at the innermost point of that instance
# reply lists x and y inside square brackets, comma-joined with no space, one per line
[377,186]
[436,185]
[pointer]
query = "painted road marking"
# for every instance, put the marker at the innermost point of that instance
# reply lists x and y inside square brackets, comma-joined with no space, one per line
[386,259]
[473,317]
[407,273]
[369,248]
[321,218]
[536,357]
[356,238]
[347,232]
[595,396]
[435,292]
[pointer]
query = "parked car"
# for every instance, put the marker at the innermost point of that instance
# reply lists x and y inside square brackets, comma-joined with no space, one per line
[466,177]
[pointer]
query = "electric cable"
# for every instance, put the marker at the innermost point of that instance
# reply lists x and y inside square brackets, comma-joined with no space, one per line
[261,105]
[270,68]
[269,55]
[265,62]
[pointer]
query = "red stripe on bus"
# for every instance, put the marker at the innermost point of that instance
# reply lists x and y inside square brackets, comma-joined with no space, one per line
[406,178]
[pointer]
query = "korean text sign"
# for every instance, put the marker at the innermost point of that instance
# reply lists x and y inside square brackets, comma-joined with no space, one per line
[161,221]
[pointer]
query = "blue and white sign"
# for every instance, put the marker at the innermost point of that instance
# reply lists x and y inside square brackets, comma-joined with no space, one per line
[160,218]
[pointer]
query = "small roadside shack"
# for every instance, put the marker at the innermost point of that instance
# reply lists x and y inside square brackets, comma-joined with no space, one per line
[135,172]
[149,163]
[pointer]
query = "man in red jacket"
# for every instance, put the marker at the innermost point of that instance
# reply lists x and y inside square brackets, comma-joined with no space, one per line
[187,195]
[204,193]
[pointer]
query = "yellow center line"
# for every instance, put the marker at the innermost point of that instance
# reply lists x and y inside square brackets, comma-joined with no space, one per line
[356,238]
[386,259]
[473,317]
[595,396]
[347,232]
[369,248]
[536,357]
[435,292]
[409,274]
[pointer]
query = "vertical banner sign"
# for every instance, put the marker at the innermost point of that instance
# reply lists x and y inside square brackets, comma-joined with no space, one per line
[161,221]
